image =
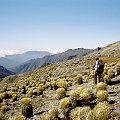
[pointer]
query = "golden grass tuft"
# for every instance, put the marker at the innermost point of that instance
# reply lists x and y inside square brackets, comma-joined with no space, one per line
[64,103]
[101,111]
[26,101]
[60,92]
[102,95]
[79,113]
[101,86]
[18,117]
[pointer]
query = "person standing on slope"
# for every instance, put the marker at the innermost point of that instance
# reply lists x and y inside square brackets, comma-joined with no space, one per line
[99,68]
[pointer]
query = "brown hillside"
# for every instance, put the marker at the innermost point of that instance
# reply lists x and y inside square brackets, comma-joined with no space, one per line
[71,80]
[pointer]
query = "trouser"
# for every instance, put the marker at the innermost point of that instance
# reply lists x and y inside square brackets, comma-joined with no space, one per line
[99,76]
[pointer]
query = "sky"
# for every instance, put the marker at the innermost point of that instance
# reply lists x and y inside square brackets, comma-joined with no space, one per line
[58,25]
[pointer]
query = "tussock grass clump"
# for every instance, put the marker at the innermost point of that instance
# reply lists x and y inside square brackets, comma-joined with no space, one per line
[101,111]
[1,97]
[64,103]
[47,84]
[84,93]
[18,117]
[74,94]
[60,93]
[61,83]
[53,113]
[111,73]
[1,115]
[78,78]
[44,117]
[107,78]
[73,98]
[91,75]
[101,86]
[102,95]
[106,70]
[4,108]
[26,101]
[27,109]
[79,113]
[80,89]
[85,96]
[7,95]
[54,85]
[14,97]
[40,89]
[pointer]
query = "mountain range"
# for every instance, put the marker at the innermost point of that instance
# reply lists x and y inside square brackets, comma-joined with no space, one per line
[13,60]
[4,72]
[39,62]
[68,83]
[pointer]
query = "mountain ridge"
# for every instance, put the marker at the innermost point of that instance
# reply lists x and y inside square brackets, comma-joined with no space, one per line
[39,62]
[4,72]
[13,60]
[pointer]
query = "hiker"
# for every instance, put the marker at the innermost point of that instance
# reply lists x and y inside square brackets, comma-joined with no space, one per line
[99,68]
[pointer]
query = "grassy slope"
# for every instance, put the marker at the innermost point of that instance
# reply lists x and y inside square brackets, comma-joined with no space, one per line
[64,70]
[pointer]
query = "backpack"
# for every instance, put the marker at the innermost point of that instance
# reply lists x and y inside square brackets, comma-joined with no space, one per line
[100,67]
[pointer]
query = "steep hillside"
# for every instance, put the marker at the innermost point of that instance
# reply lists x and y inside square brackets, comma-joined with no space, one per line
[7,63]
[4,72]
[112,50]
[39,62]
[64,91]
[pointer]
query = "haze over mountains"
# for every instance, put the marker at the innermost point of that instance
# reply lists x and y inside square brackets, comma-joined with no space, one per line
[31,60]
[13,60]
[39,62]
[4,72]
[42,84]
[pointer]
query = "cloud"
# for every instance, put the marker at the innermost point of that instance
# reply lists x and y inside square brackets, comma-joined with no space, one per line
[12,52]
[9,52]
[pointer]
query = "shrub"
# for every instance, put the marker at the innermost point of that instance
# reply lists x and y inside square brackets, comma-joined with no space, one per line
[27,109]
[85,96]
[1,97]
[74,94]
[84,93]
[47,84]
[111,73]
[101,86]
[54,85]
[61,83]
[79,113]
[7,95]
[105,70]
[78,78]
[102,95]
[4,108]
[80,89]
[18,117]
[91,75]
[64,103]
[107,78]
[14,97]
[1,115]
[26,101]
[44,117]
[101,111]
[53,113]
[40,90]
[60,92]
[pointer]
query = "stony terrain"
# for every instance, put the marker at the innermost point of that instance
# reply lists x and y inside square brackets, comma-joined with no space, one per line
[65,90]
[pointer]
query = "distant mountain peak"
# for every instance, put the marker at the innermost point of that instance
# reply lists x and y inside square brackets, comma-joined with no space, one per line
[4,72]
[13,60]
